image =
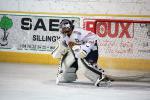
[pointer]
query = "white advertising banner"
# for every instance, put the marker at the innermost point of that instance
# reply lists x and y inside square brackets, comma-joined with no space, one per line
[27,33]
[122,38]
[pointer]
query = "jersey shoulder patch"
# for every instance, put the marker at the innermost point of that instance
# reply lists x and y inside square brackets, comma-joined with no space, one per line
[77,32]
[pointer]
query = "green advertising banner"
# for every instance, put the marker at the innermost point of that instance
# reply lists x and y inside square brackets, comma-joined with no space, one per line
[33,34]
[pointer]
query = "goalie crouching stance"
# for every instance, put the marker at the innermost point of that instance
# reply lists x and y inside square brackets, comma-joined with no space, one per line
[78,48]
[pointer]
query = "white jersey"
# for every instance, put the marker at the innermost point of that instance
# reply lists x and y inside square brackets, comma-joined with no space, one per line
[86,39]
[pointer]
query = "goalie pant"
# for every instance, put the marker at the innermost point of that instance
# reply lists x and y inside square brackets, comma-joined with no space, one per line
[69,65]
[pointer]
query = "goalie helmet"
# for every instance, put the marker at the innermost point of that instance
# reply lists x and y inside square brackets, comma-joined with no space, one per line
[66,26]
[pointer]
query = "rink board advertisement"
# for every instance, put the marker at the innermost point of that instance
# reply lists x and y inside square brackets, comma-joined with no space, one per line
[26,33]
[125,39]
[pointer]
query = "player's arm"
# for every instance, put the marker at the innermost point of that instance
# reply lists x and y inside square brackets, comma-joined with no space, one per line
[84,49]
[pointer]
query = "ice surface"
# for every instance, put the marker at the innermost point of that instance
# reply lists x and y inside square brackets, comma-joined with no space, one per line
[37,82]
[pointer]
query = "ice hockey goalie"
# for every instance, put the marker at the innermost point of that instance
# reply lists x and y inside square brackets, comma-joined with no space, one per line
[77,48]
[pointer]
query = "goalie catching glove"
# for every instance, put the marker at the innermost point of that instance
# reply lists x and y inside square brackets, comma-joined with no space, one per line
[79,52]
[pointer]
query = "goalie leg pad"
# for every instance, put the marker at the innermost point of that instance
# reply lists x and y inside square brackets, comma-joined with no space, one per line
[69,75]
[68,68]
[91,72]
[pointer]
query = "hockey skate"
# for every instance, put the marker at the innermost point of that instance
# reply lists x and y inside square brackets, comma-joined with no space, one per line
[66,74]
[59,75]
[103,81]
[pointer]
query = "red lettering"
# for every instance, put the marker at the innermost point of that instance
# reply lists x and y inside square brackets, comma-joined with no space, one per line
[90,26]
[105,28]
[110,34]
[125,30]
[101,29]
[110,29]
